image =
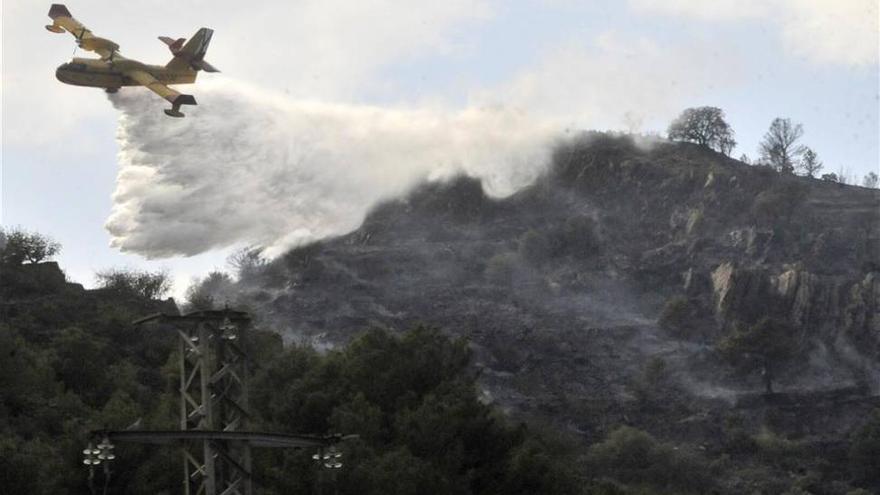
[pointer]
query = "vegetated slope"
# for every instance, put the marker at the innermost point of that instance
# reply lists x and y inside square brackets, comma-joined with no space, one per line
[559,289]
[72,362]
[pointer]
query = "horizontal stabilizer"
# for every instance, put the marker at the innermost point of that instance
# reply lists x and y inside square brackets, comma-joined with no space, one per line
[204,65]
[173,44]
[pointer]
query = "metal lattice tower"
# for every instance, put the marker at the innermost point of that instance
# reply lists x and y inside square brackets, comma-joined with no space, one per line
[214,411]
[214,397]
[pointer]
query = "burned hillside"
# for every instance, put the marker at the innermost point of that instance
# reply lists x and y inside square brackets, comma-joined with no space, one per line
[602,294]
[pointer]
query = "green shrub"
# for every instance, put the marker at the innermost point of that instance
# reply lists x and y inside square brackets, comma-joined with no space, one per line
[656,372]
[864,452]
[578,237]
[635,457]
[774,450]
[679,318]
[534,248]
[137,283]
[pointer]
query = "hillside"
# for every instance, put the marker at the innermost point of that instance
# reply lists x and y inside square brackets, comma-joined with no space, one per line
[74,362]
[599,296]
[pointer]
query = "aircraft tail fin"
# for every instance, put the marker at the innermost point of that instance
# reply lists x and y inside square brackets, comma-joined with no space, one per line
[190,55]
[55,11]
[58,10]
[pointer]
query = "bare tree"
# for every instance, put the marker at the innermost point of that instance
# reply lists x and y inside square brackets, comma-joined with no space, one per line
[844,176]
[779,146]
[745,159]
[810,163]
[726,144]
[21,246]
[705,126]
[871,180]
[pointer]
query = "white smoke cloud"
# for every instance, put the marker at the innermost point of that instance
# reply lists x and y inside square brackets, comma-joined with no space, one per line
[251,166]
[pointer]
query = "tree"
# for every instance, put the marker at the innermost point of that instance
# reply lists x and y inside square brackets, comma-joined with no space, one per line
[423,428]
[766,345]
[871,180]
[140,283]
[21,245]
[211,291]
[779,146]
[726,144]
[810,163]
[247,263]
[832,177]
[705,126]
[745,159]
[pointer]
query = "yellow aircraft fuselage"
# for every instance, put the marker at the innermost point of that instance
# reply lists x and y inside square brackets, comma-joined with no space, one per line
[113,71]
[110,75]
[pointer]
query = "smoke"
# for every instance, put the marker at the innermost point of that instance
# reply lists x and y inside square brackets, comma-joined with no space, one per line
[247,166]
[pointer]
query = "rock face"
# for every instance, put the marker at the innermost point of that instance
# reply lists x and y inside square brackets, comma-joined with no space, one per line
[559,286]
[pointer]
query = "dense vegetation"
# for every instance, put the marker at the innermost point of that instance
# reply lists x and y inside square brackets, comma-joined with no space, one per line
[73,362]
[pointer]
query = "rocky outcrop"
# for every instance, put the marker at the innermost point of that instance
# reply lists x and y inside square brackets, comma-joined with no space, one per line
[862,314]
[822,306]
[740,295]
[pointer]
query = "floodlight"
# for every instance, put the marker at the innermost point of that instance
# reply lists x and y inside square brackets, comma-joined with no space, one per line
[228,329]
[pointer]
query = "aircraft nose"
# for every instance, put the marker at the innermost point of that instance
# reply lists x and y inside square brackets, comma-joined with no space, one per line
[60,73]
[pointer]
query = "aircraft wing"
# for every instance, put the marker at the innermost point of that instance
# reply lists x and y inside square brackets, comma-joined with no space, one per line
[175,98]
[62,20]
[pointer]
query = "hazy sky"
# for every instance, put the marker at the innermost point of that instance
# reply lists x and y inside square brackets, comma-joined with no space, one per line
[454,67]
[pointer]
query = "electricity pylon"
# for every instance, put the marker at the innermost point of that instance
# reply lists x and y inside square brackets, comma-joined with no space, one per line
[214,410]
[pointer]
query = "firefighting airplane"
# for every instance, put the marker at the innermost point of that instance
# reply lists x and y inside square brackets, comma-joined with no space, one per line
[113,71]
